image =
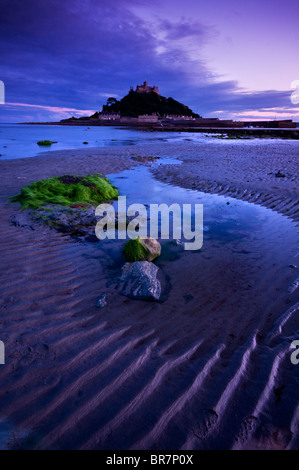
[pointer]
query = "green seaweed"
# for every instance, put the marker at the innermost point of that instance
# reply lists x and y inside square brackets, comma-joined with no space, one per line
[134,250]
[66,190]
[44,142]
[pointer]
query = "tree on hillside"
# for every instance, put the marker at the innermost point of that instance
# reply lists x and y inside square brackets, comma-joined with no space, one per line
[111,101]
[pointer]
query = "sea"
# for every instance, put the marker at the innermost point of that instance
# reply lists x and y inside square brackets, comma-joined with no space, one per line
[20,140]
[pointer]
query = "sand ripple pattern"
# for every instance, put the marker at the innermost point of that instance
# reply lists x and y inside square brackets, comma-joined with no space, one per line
[207,373]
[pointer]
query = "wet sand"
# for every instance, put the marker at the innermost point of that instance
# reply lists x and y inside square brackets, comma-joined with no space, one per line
[248,174]
[209,368]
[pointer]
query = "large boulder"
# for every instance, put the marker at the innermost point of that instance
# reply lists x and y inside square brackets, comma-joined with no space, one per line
[139,281]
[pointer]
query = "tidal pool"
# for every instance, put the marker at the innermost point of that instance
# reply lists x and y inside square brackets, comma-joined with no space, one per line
[225,219]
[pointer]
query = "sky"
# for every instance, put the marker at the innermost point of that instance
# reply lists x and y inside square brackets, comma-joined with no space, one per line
[232,60]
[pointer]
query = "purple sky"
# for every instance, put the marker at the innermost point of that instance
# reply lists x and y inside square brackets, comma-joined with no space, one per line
[223,59]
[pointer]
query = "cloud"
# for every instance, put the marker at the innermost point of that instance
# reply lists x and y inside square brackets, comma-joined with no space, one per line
[271,113]
[60,58]
[108,95]
[227,100]
[62,50]
[54,50]
[177,30]
[52,109]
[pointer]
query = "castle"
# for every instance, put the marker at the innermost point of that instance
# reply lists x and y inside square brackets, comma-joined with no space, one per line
[146,89]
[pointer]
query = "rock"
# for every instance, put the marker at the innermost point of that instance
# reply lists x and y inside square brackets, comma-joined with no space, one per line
[22,219]
[79,205]
[153,246]
[279,174]
[45,143]
[139,281]
[188,297]
[142,249]
[77,221]
[141,159]
[101,301]
[178,242]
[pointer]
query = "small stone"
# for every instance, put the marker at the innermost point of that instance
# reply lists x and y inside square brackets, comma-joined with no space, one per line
[178,242]
[188,297]
[101,301]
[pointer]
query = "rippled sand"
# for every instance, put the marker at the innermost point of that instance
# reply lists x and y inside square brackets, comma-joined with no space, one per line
[209,368]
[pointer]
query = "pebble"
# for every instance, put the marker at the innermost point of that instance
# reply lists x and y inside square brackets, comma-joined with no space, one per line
[101,301]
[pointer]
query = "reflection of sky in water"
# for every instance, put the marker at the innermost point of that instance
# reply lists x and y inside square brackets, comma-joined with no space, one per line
[225,219]
[20,141]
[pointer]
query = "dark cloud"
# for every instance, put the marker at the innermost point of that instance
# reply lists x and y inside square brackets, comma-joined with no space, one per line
[227,95]
[70,51]
[183,29]
[73,53]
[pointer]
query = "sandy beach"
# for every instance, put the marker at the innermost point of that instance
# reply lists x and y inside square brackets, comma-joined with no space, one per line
[207,368]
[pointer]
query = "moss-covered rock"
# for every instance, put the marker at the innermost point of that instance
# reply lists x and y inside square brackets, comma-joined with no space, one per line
[146,249]
[134,250]
[153,246]
[66,190]
[45,143]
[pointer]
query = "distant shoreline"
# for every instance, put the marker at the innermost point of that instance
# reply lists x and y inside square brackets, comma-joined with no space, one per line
[284,133]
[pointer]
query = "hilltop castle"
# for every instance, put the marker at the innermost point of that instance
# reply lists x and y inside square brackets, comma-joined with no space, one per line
[146,89]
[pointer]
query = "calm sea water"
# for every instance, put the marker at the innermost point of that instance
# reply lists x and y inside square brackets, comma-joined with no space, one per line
[20,141]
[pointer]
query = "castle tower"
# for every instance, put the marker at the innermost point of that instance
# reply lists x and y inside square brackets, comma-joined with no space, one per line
[145,88]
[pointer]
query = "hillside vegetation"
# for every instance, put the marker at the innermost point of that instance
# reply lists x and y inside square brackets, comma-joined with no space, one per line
[135,104]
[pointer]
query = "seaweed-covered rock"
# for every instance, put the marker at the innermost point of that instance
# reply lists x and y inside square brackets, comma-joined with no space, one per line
[66,190]
[45,143]
[139,281]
